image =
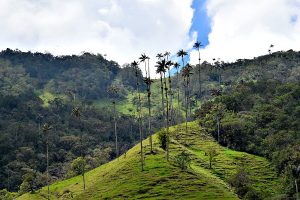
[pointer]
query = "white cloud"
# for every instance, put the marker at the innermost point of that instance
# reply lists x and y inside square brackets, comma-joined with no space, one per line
[245,29]
[122,29]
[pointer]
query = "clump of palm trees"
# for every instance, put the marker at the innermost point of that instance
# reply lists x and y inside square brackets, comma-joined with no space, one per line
[135,65]
[163,68]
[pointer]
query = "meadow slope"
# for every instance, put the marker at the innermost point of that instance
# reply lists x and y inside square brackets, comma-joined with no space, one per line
[122,178]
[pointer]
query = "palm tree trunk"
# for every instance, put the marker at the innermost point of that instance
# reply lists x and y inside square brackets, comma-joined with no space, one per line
[115,129]
[200,89]
[186,103]
[297,192]
[178,103]
[219,76]
[149,123]
[218,125]
[188,97]
[149,107]
[167,117]
[140,125]
[83,178]
[162,95]
[47,157]
[170,92]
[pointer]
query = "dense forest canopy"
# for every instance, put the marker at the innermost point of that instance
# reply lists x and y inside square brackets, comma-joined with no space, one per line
[24,77]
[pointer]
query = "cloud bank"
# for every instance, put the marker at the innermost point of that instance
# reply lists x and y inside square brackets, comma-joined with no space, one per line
[122,29]
[245,29]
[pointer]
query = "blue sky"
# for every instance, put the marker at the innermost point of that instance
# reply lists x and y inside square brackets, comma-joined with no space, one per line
[200,22]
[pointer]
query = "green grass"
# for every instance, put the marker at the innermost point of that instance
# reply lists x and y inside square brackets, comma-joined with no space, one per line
[47,97]
[127,107]
[122,178]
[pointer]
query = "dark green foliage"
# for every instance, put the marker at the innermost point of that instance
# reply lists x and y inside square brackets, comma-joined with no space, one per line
[183,160]
[6,195]
[32,181]
[79,166]
[262,118]
[242,185]
[162,138]
[23,77]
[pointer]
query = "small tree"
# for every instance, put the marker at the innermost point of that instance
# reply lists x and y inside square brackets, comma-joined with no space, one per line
[162,139]
[78,166]
[211,152]
[183,160]
[28,183]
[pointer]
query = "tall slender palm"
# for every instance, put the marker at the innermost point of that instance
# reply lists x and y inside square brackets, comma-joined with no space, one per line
[159,56]
[167,55]
[218,111]
[186,72]
[46,129]
[176,66]
[160,69]
[169,64]
[271,48]
[135,65]
[77,113]
[197,46]
[148,82]
[113,90]
[143,59]
[181,53]
[162,65]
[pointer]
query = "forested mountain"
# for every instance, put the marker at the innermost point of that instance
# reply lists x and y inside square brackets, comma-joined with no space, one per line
[249,105]
[38,88]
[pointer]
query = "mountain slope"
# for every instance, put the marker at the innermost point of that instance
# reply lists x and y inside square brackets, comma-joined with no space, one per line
[123,179]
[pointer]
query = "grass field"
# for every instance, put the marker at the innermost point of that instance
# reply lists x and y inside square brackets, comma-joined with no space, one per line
[123,179]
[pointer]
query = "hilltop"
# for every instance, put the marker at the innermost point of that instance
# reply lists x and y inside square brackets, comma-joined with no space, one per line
[122,178]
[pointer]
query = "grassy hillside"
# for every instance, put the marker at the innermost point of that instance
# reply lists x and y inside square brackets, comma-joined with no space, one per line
[122,178]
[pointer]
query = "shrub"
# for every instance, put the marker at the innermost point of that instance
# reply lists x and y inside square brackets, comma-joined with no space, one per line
[183,160]
[162,139]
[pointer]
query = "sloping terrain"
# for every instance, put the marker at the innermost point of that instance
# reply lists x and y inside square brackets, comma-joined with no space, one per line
[122,178]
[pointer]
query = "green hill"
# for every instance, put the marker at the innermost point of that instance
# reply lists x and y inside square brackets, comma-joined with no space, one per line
[123,179]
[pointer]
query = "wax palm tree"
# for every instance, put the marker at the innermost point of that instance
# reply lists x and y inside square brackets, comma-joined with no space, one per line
[181,53]
[46,129]
[135,65]
[77,113]
[143,59]
[197,46]
[271,48]
[218,110]
[186,72]
[160,69]
[162,65]
[113,91]
[167,55]
[159,56]
[176,66]
[148,82]
[168,65]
